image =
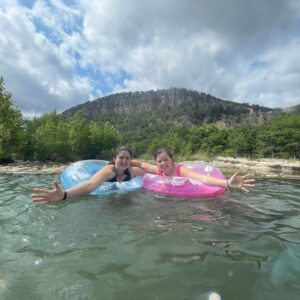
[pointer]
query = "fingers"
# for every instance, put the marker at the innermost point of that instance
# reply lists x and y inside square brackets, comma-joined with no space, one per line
[38,200]
[41,191]
[39,197]
[233,178]
[247,183]
[45,195]
[242,183]
[248,175]
[249,180]
[43,198]
[244,177]
[235,174]
[56,185]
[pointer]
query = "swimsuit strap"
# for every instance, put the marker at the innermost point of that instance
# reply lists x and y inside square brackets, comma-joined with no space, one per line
[178,170]
[114,179]
[128,175]
[115,170]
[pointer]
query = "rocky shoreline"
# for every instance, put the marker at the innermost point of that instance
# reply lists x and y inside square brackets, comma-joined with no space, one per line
[23,167]
[261,168]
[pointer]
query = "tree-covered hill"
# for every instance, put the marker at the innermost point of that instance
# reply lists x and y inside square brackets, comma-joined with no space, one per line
[194,123]
[175,106]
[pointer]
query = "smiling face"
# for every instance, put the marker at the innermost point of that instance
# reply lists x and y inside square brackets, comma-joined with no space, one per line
[165,163]
[122,159]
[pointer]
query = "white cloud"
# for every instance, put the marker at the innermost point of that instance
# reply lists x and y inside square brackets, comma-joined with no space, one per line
[276,85]
[40,74]
[245,51]
[194,44]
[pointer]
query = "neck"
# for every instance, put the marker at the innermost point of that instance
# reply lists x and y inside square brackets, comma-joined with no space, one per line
[120,170]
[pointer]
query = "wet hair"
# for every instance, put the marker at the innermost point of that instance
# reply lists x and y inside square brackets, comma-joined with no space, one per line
[163,150]
[119,149]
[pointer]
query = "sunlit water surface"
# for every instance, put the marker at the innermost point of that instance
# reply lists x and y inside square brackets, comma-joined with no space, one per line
[145,246]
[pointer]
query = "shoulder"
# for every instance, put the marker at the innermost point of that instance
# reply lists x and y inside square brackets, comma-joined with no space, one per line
[109,169]
[103,174]
[184,171]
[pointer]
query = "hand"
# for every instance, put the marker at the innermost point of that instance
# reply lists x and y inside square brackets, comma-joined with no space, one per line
[53,195]
[241,182]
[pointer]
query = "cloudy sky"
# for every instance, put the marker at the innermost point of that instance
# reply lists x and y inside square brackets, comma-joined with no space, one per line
[55,54]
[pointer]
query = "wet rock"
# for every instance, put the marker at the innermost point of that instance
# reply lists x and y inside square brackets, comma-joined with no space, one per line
[263,167]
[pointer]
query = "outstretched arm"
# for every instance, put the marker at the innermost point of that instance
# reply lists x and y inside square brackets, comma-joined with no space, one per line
[136,171]
[57,193]
[234,182]
[148,168]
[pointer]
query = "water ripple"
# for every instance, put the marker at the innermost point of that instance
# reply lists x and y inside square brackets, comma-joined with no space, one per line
[137,245]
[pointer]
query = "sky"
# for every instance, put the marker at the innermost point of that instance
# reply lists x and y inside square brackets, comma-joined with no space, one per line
[55,54]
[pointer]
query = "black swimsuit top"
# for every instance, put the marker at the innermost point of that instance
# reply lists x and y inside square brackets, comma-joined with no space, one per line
[115,178]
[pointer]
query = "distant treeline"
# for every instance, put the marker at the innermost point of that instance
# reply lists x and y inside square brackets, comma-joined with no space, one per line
[53,137]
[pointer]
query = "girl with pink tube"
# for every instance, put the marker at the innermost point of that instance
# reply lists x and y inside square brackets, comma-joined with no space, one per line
[191,180]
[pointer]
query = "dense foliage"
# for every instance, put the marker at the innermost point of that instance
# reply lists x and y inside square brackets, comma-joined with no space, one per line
[56,138]
[278,137]
[10,125]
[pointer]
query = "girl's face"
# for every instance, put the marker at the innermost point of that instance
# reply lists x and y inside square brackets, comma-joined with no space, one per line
[165,163]
[123,159]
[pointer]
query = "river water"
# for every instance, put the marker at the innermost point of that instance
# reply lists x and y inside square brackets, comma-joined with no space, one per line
[142,245]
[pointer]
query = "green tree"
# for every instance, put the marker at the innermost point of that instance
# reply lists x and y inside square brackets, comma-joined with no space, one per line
[280,137]
[77,136]
[103,139]
[10,126]
[216,142]
[241,141]
[27,147]
[51,138]
[238,143]
[208,138]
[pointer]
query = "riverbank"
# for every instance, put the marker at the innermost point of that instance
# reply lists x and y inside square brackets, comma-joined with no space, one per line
[24,167]
[261,168]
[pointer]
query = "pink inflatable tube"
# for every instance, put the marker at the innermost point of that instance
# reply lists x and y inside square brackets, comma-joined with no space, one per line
[186,187]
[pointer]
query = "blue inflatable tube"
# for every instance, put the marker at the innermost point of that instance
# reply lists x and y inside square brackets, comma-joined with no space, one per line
[83,170]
